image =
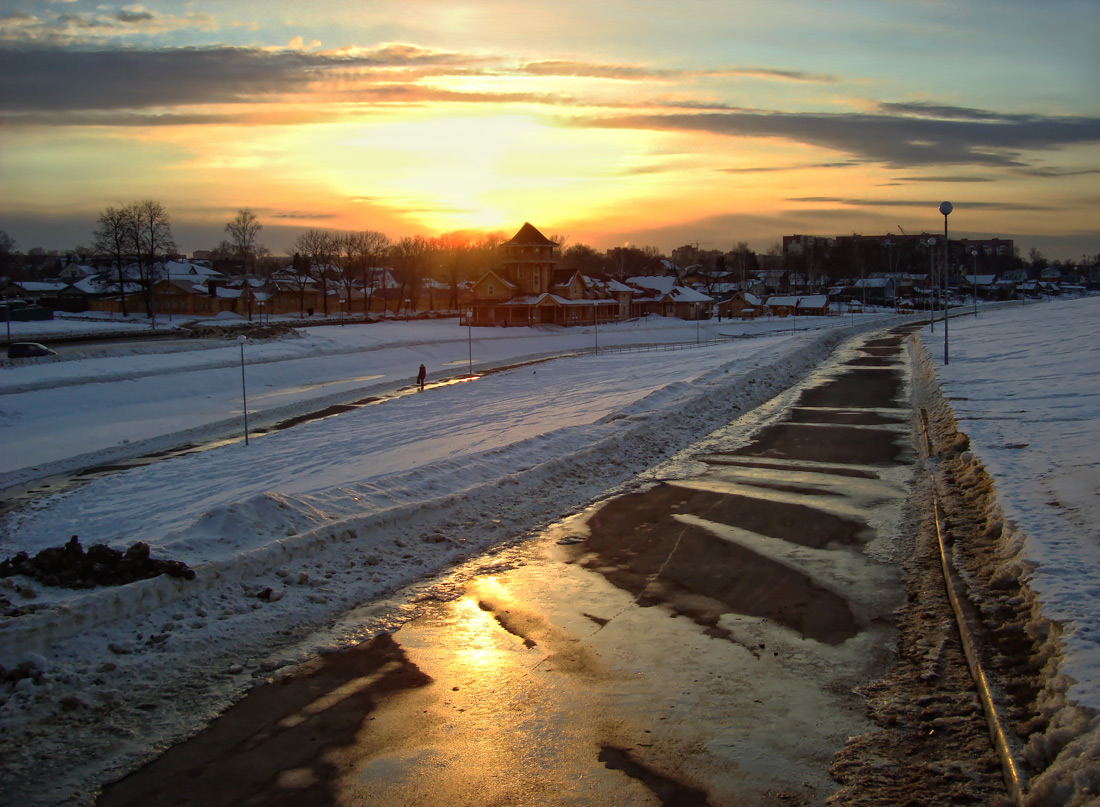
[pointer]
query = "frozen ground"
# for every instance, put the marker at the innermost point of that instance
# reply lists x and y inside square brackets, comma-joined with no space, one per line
[288,533]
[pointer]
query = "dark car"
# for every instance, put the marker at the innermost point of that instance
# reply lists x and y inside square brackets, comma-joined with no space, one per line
[28,350]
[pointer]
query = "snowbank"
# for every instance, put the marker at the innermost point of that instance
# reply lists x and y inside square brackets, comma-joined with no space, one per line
[1024,385]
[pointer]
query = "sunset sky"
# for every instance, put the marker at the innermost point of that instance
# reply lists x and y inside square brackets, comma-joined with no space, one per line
[609,122]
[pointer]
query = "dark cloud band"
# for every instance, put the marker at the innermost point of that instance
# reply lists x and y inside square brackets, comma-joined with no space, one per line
[895,140]
[57,79]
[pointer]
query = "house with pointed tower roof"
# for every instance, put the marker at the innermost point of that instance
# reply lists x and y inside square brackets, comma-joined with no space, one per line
[526,288]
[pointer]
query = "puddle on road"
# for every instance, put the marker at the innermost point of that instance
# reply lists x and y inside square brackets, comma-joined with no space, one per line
[696,574]
[800,524]
[828,443]
[853,417]
[727,459]
[872,361]
[278,739]
[891,342]
[670,792]
[860,388]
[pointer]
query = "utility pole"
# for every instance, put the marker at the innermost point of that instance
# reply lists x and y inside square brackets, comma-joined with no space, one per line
[945,208]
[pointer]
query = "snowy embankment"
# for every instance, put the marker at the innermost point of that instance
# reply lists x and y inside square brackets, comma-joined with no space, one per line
[120,401]
[1024,385]
[288,533]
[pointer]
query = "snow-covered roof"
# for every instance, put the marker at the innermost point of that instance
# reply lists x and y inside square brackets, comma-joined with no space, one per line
[682,294]
[609,285]
[872,282]
[725,287]
[660,283]
[92,284]
[980,280]
[40,285]
[98,284]
[786,300]
[191,269]
[535,299]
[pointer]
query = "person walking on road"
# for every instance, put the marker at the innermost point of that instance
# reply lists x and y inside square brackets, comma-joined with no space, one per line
[421,376]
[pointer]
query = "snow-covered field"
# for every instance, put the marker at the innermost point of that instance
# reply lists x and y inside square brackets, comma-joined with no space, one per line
[290,532]
[58,414]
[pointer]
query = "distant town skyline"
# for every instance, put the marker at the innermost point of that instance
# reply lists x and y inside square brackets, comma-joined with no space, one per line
[648,123]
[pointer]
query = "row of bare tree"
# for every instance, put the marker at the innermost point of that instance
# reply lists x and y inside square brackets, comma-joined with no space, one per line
[137,239]
[346,261]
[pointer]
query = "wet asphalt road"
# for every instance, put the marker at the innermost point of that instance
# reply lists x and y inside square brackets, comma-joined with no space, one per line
[696,642]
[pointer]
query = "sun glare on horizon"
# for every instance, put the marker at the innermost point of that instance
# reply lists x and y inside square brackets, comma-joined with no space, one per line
[469,170]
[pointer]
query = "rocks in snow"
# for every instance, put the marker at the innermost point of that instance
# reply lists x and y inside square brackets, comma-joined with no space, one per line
[71,566]
[267,593]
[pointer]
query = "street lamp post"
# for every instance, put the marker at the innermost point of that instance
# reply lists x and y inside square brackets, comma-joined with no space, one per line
[862,280]
[470,338]
[596,325]
[945,208]
[932,285]
[974,255]
[244,392]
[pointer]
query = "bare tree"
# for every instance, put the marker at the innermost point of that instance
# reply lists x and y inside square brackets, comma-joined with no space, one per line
[741,251]
[7,249]
[300,279]
[356,255]
[624,262]
[712,272]
[584,259]
[320,248]
[410,257]
[113,239]
[343,258]
[368,248]
[243,229]
[454,252]
[152,234]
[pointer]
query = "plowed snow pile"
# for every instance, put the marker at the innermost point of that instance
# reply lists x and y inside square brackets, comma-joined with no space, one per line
[1023,383]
